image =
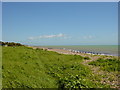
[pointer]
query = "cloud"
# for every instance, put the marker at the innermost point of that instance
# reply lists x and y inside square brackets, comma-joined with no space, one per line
[88,37]
[48,36]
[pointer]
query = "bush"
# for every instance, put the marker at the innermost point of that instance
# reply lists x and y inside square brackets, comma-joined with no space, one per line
[39,49]
[86,58]
[10,44]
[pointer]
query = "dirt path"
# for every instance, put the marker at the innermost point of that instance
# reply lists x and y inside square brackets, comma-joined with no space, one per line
[109,78]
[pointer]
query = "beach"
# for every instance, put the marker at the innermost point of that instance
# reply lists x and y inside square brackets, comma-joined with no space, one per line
[60,45]
[73,51]
[89,49]
[92,56]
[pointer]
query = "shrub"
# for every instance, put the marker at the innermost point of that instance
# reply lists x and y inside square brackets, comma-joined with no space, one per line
[86,58]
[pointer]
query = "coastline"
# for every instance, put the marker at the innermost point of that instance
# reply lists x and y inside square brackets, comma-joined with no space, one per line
[74,52]
[109,50]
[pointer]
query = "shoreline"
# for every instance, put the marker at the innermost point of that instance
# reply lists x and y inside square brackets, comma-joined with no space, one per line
[108,50]
[73,52]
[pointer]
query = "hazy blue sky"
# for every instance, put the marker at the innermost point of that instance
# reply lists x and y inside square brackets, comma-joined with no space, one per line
[61,23]
[0,21]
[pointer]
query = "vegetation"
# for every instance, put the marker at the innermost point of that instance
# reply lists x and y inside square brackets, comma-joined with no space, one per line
[24,67]
[86,58]
[0,67]
[10,44]
[107,64]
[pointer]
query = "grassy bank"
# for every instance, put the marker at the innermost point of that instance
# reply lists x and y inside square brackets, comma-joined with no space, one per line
[24,67]
[109,65]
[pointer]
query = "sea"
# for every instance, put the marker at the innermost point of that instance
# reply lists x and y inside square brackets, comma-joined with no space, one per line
[100,49]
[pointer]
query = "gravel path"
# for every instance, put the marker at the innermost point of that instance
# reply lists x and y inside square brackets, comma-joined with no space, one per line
[109,78]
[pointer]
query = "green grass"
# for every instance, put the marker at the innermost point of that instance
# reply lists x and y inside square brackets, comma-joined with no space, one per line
[107,64]
[24,67]
[0,67]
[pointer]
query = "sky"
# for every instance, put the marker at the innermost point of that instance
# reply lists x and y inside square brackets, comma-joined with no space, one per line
[60,23]
[0,21]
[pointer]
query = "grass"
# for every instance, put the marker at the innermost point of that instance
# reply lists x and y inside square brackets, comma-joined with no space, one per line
[0,67]
[24,67]
[107,64]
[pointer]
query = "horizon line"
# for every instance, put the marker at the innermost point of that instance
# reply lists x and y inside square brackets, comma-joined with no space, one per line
[60,1]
